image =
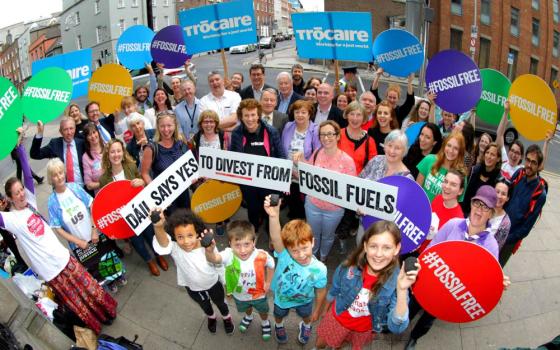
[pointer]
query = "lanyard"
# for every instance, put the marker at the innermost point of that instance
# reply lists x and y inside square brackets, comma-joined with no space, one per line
[191,117]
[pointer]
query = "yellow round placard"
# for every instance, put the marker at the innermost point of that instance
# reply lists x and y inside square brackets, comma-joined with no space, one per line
[108,85]
[215,201]
[533,108]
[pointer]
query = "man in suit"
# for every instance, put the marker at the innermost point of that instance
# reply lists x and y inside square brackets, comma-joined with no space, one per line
[269,115]
[286,94]
[256,74]
[105,125]
[325,110]
[68,148]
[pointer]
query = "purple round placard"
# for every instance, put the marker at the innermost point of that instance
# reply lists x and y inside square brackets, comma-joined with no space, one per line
[456,80]
[414,213]
[168,47]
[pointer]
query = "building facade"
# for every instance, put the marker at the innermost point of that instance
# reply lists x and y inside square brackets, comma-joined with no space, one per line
[97,24]
[9,61]
[45,42]
[523,32]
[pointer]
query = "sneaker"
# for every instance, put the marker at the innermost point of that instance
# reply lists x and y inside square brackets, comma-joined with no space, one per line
[266,331]
[244,324]
[229,326]
[212,325]
[113,288]
[280,333]
[304,333]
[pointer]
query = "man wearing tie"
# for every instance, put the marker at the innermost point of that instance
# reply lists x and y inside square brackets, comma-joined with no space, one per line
[67,148]
[105,125]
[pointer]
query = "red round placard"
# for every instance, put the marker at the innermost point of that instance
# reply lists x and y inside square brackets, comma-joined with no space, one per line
[107,205]
[458,282]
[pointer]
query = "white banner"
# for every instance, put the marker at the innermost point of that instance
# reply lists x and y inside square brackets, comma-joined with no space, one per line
[161,192]
[246,169]
[351,192]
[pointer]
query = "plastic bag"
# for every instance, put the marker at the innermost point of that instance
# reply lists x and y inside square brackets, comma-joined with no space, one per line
[47,307]
[27,284]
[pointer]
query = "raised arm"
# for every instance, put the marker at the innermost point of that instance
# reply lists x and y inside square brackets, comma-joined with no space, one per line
[549,136]
[274,224]
[500,132]
[161,236]
[375,84]
[147,165]
[27,174]
[153,82]
[432,98]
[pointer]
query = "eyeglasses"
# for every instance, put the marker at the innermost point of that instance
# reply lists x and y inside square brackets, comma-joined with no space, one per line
[531,161]
[328,135]
[480,205]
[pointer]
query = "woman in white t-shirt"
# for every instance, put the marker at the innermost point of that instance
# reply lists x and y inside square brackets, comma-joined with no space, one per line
[511,160]
[70,218]
[71,283]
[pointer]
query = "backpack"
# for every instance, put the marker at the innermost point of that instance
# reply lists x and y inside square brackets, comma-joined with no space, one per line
[106,342]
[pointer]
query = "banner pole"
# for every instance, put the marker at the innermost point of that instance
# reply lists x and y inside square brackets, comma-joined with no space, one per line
[224,63]
[336,77]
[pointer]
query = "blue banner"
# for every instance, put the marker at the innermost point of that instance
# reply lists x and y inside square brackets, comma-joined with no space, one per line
[219,26]
[76,63]
[334,35]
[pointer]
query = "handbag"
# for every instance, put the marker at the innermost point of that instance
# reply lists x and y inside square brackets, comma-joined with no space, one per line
[101,259]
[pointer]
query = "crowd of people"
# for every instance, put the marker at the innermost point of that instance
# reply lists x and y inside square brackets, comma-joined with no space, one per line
[480,191]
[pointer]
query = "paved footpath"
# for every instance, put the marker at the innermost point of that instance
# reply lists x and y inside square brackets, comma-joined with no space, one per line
[163,316]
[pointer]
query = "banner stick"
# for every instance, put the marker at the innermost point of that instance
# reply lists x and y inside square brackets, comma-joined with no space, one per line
[224,63]
[336,77]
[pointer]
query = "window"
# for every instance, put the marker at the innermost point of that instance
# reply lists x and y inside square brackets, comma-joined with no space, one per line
[397,22]
[79,42]
[456,39]
[535,30]
[154,3]
[456,7]
[121,4]
[166,20]
[553,76]
[98,34]
[166,3]
[135,20]
[485,12]
[155,23]
[535,4]
[121,25]
[512,71]
[96,8]
[534,66]
[514,23]
[555,10]
[134,3]
[484,56]
[555,43]
[77,18]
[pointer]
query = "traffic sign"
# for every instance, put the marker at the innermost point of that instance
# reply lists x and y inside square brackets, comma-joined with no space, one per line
[510,58]
[473,42]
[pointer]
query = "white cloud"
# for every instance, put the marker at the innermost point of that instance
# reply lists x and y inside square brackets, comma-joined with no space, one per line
[14,11]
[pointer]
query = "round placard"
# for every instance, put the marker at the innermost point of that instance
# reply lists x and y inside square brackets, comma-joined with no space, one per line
[458,281]
[215,201]
[398,52]
[47,94]
[495,90]
[168,47]
[108,85]
[10,116]
[533,108]
[107,205]
[133,47]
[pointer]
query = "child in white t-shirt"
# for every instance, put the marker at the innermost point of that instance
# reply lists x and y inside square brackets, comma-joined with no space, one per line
[198,276]
[249,273]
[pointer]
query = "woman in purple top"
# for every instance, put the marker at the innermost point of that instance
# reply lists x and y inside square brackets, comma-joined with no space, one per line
[475,229]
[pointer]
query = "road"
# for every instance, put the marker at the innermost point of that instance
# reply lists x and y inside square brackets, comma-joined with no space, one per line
[238,63]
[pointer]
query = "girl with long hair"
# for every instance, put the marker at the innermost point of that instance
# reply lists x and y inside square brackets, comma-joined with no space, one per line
[428,142]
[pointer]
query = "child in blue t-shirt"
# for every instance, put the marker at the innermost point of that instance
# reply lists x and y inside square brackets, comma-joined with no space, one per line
[299,278]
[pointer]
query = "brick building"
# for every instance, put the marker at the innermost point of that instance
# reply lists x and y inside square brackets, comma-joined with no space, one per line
[45,42]
[9,61]
[528,30]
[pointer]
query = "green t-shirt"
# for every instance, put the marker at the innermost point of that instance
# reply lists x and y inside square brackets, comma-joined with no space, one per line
[432,183]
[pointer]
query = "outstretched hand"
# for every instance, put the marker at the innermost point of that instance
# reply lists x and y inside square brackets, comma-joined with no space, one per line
[272,212]
[407,279]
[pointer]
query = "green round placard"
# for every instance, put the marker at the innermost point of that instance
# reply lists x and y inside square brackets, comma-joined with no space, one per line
[47,94]
[10,116]
[495,91]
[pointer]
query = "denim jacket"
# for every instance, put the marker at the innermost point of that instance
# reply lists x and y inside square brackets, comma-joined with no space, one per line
[347,283]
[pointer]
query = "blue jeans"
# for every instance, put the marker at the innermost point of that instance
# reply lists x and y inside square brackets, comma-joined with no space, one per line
[139,245]
[323,223]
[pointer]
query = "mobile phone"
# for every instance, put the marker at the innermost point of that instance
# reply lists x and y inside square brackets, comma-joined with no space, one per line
[206,241]
[409,264]
[274,199]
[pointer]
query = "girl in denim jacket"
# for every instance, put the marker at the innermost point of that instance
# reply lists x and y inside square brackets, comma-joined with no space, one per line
[369,292]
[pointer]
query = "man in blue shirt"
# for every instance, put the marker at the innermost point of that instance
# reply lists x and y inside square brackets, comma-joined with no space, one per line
[286,94]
